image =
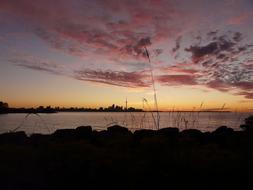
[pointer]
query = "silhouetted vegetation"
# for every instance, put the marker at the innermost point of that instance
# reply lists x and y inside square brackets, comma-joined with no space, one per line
[248,124]
[4,107]
[39,109]
[117,158]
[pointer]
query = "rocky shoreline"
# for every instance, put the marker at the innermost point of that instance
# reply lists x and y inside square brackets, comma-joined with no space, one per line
[116,158]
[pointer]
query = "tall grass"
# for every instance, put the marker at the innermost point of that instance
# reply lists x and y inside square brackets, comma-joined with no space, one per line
[157,123]
[21,124]
[145,101]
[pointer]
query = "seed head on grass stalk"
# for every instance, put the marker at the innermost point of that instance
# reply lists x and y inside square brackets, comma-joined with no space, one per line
[149,109]
[154,90]
[200,108]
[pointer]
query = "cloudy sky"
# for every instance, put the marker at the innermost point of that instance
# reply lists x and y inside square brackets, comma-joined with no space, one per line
[92,52]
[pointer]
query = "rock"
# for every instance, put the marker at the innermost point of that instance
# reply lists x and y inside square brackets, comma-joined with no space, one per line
[168,132]
[116,129]
[223,130]
[191,133]
[38,138]
[143,133]
[65,134]
[83,132]
[14,137]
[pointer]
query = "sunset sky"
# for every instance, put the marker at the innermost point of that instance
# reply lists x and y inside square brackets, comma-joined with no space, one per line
[91,53]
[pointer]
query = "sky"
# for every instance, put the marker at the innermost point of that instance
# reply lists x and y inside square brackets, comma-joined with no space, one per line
[91,53]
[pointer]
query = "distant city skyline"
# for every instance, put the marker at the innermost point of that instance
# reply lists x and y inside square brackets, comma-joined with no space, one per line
[91,53]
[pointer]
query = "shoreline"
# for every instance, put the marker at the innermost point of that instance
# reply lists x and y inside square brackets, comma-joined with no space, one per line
[84,158]
[26,112]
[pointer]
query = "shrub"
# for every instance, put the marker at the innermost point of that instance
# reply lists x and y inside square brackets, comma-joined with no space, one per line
[248,124]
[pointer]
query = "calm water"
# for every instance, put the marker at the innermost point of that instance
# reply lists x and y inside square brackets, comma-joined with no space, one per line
[47,123]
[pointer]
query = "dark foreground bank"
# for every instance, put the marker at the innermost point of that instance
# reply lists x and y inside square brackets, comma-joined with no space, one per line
[119,159]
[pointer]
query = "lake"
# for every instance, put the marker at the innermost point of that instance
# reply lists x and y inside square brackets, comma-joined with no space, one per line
[48,123]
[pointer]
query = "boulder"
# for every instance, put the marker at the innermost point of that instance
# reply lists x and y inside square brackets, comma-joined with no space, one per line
[168,132]
[37,138]
[116,129]
[143,133]
[65,134]
[191,133]
[83,132]
[223,130]
[14,137]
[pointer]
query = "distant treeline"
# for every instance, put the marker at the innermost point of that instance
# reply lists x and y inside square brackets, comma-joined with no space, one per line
[4,108]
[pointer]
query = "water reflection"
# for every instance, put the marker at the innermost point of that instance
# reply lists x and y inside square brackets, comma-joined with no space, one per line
[47,123]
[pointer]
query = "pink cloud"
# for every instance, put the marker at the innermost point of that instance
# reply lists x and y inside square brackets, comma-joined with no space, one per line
[248,95]
[172,80]
[179,69]
[93,24]
[111,29]
[238,20]
[219,85]
[115,78]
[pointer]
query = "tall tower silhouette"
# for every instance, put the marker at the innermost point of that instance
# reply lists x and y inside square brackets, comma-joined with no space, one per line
[126,104]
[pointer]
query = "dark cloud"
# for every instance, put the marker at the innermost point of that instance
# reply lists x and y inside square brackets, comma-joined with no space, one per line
[201,51]
[237,36]
[116,78]
[245,85]
[248,95]
[219,47]
[222,61]
[174,80]
[133,79]
[218,85]
[212,34]
[39,68]
[38,64]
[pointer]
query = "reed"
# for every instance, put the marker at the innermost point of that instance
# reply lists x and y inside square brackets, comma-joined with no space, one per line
[21,124]
[151,111]
[157,123]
